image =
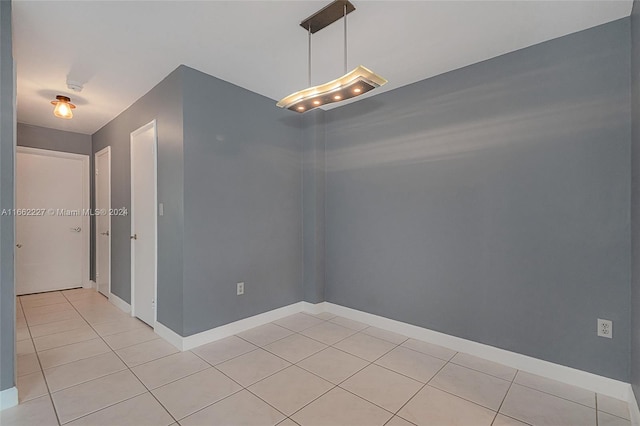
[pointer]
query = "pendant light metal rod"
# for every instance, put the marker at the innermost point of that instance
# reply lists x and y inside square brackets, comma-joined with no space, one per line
[309,64]
[345,38]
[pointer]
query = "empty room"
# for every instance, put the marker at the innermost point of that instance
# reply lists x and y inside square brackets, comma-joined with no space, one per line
[320,213]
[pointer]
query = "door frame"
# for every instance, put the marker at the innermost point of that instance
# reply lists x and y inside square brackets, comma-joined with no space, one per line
[86,184]
[152,124]
[103,151]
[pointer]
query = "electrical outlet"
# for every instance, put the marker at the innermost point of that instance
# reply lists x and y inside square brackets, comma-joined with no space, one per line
[605,328]
[240,288]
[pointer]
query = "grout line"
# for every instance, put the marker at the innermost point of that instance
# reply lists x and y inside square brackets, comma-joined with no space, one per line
[127,368]
[46,383]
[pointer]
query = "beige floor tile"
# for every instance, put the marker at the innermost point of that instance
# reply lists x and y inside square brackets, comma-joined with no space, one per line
[298,322]
[24,347]
[431,406]
[418,366]
[483,389]
[485,366]
[27,364]
[38,412]
[349,323]
[572,393]
[94,318]
[65,338]
[341,408]
[84,370]
[288,422]
[383,387]
[223,350]
[389,336]
[165,370]
[142,410]
[333,365]
[21,322]
[328,333]
[365,346]
[265,334]
[130,338]
[613,406]
[252,366]
[74,352]
[43,301]
[30,312]
[88,397]
[291,389]
[606,419]
[325,316]
[398,421]
[119,326]
[80,293]
[502,420]
[57,327]
[539,408]
[145,352]
[430,349]
[22,333]
[52,317]
[31,386]
[295,348]
[242,408]
[192,393]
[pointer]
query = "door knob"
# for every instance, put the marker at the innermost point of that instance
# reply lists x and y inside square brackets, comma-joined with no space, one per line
[134,237]
[105,233]
[19,245]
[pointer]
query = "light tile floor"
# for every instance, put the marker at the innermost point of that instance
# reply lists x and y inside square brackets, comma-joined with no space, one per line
[81,361]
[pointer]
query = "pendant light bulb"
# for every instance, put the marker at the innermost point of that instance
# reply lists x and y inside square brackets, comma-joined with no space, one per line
[63,107]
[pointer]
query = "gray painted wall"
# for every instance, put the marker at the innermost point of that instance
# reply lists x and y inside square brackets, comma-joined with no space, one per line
[54,140]
[163,103]
[493,202]
[242,203]
[635,199]
[7,152]
[313,193]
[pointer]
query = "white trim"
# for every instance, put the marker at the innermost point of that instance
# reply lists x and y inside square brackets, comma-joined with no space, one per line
[119,303]
[572,376]
[152,124]
[634,410]
[89,284]
[227,330]
[8,398]
[169,335]
[104,151]
[86,204]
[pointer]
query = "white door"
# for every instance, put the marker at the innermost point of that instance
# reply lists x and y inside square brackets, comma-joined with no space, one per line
[143,223]
[52,225]
[103,220]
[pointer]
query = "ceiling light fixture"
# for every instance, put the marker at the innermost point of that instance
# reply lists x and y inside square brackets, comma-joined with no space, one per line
[355,83]
[63,107]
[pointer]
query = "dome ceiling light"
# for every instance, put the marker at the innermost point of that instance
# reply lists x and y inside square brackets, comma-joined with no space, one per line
[63,107]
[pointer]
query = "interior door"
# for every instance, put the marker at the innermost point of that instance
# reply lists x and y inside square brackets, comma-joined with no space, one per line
[143,222]
[103,220]
[52,246]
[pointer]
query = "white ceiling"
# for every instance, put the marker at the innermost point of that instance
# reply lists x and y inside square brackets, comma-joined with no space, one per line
[121,49]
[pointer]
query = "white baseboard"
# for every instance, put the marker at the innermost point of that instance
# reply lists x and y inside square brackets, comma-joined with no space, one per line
[572,376]
[89,284]
[227,330]
[634,410]
[119,303]
[8,398]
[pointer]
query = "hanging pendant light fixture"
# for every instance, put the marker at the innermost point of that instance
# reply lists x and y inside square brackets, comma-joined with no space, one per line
[63,107]
[355,83]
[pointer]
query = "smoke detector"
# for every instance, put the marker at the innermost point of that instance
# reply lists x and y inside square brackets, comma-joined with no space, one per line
[76,86]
